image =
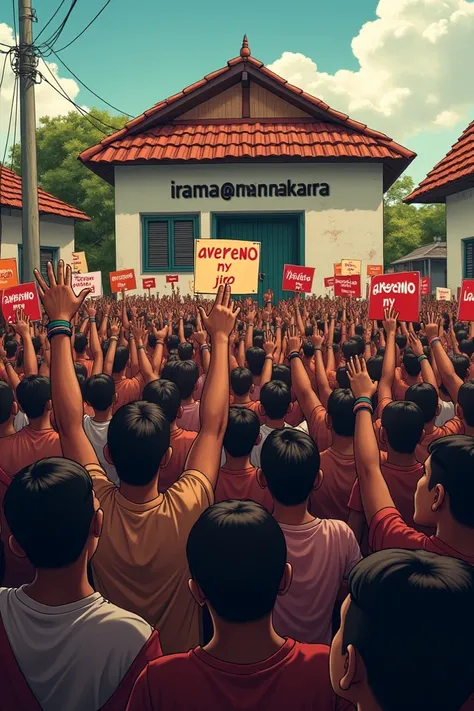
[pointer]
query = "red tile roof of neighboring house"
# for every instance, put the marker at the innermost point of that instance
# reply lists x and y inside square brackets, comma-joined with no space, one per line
[10,196]
[327,133]
[451,175]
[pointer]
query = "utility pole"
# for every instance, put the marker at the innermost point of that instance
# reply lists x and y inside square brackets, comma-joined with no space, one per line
[29,172]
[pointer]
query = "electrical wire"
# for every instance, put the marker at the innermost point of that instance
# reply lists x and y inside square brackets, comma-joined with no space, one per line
[88,87]
[50,19]
[86,27]
[14,20]
[15,126]
[56,35]
[15,90]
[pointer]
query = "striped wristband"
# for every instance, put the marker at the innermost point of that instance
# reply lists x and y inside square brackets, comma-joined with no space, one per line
[434,340]
[363,406]
[363,399]
[59,328]
[422,357]
[294,354]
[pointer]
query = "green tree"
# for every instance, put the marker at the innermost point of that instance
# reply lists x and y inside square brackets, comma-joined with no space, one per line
[407,227]
[59,142]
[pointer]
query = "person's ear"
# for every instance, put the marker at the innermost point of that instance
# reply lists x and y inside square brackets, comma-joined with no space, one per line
[107,455]
[196,592]
[97,523]
[259,439]
[383,436]
[328,421]
[180,412]
[319,480]
[49,405]
[350,669]
[15,548]
[290,407]
[262,482]
[459,412]
[439,495]
[261,410]
[438,409]
[252,389]
[423,433]
[14,408]
[286,579]
[166,458]
[115,400]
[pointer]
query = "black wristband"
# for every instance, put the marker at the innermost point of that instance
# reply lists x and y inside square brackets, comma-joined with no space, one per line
[293,355]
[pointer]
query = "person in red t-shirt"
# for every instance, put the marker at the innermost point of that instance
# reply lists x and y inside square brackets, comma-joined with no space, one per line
[444,498]
[237,559]
[405,640]
[166,394]
[237,477]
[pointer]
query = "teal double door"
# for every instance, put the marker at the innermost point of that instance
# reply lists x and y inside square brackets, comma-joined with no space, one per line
[279,236]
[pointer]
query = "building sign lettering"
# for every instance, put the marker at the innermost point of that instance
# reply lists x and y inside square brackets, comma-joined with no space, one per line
[229,191]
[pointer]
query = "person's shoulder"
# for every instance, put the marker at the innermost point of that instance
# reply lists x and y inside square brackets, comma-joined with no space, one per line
[115,620]
[192,487]
[311,657]
[337,528]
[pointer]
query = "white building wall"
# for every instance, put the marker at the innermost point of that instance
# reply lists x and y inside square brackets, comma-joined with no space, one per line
[459,226]
[55,231]
[346,225]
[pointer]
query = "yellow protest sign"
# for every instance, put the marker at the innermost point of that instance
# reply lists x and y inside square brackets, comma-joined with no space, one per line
[350,267]
[226,261]
[79,262]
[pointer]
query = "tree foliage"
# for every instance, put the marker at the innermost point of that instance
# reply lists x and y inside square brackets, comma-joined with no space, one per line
[407,227]
[59,142]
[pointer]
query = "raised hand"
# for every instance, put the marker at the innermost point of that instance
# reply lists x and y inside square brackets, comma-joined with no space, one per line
[200,337]
[269,344]
[295,341]
[160,334]
[90,308]
[22,323]
[139,330]
[390,320]
[432,327]
[114,327]
[221,319]
[360,380]
[59,300]
[415,344]
[317,339]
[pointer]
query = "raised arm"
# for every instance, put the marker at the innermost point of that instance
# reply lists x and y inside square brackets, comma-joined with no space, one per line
[205,453]
[61,304]
[322,382]
[145,367]
[96,350]
[113,341]
[389,359]
[22,327]
[448,375]
[104,324]
[300,381]
[426,370]
[269,346]
[373,488]
[330,359]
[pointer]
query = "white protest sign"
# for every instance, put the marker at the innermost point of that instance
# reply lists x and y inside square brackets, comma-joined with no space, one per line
[90,280]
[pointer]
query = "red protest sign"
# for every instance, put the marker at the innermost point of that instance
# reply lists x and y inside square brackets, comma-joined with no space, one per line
[400,290]
[24,297]
[172,278]
[374,269]
[123,280]
[466,301]
[149,283]
[328,282]
[347,286]
[297,278]
[425,286]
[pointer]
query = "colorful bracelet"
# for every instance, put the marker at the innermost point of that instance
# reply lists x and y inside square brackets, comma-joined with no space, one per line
[363,406]
[91,319]
[130,335]
[267,357]
[140,348]
[205,347]
[364,400]
[318,348]
[59,331]
[113,338]
[422,357]
[435,339]
[294,354]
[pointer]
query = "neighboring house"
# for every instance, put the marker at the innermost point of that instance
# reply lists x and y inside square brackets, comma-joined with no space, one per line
[243,154]
[452,182]
[430,260]
[57,220]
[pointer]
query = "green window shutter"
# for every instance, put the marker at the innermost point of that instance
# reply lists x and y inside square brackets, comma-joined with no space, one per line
[183,243]
[469,259]
[46,255]
[158,252]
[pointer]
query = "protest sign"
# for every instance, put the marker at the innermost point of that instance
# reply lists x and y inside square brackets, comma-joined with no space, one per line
[328,282]
[425,286]
[466,301]
[337,269]
[24,297]
[149,283]
[222,261]
[172,278]
[297,278]
[350,267]
[79,262]
[401,291]
[374,269]
[90,280]
[347,286]
[443,294]
[8,273]
[123,280]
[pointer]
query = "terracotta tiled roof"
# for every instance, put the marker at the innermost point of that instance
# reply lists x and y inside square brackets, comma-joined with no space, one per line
[202,141]
[155,136]
[10,196]
[435,250]
[452,174]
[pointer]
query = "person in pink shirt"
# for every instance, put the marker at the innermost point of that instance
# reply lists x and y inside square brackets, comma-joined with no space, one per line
[185,374]
[321,551]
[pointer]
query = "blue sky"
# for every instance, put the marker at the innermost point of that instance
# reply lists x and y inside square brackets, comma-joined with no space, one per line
[138,53]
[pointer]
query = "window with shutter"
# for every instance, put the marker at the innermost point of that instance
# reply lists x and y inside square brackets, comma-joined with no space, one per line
[47,254]
[168,242]
[469,259]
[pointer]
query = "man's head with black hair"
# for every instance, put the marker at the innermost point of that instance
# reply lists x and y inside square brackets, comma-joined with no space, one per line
[350,349]
[342,379]
[405,640]
[461,335]
[185,374]
[8,406]
[308,349]
[401,341]
[172,342]
[122,355]
[242,433]
[411,363]
[34,396]
[275,399]
[188,330]
[11,348]
[341,416]
[241,382]
[466,402]
[425,396]
[80,343]
[402,426]
[461,364]
[185,351]
[255,358]
[374,367]
[467,346]
[283,373]
[166,395]
[99,392]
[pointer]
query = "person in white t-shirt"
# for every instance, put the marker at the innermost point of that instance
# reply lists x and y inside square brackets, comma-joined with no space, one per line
[322,552]
[99,393]
[62,645]
[275,404]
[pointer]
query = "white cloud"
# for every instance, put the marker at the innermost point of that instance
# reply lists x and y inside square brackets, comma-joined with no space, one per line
[414,68]
[48,101]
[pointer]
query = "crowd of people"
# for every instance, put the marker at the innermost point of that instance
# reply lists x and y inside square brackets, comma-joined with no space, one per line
[233,507]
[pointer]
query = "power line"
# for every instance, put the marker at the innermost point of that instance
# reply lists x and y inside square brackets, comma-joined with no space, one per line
[15,126]
[86,27]
[88,87]
[51,19]
[14,20]
[56,35]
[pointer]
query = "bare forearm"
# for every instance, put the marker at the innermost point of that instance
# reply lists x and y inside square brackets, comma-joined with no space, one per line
[206,359]
[97,354]
[446,370]
[30,362]
[427,373]
[249,337]
[144,364]
[181,331]
[373,488]
[157,358]
[267,371]
[301,384]
[134,367]
[388,368]
[110,357]
[321,377]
